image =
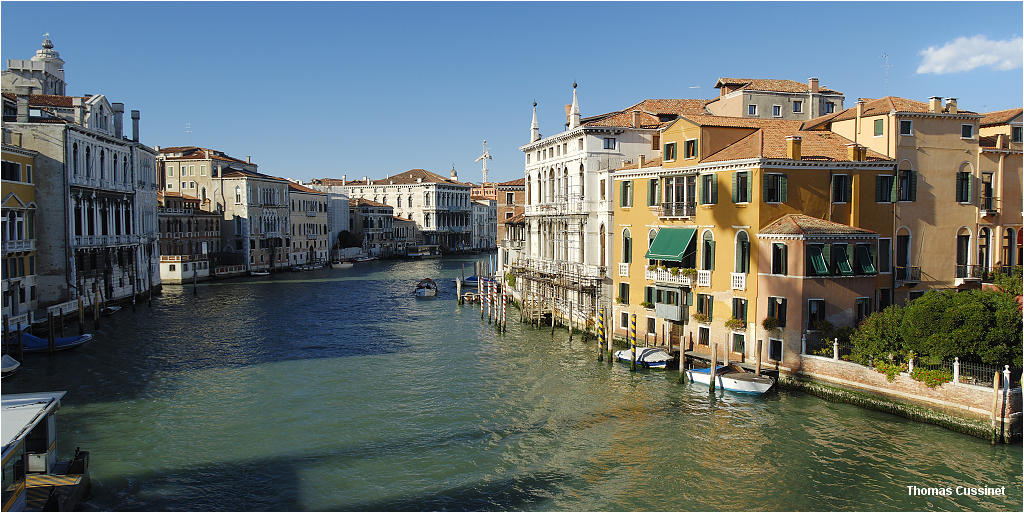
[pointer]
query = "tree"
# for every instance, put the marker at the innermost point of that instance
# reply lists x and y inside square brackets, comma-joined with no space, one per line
[978,324]
[878,336]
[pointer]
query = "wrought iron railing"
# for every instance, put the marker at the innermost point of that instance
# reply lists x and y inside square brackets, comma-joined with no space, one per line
[678,209]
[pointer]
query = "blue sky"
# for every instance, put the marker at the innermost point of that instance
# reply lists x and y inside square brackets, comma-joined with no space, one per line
[322,89]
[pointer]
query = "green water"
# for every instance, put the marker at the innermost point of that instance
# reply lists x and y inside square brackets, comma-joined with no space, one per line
[337,390]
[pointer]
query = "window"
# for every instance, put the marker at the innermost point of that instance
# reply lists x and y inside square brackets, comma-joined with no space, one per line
[830,107]
[624,293]
[841,259]
[202,170]
[670,151]
[624,320]
[840,188]
[11,171]
[967,131]
[907,190]
[884,252]
[609,143]
[863,306]
[879,127]
[627,247]
[815,312]
[775,188]
[170,171]
[739,343]
[626,197]
[708,189]
[703,336]
[170,267]
[653,192]
[238,194]
[751,110]
[739,309]
[798,106]
[191,170]
[655,141]
[906,127]
[28,174]
[580,143]
[775,349]
[690,149]
[777,111]
[884,298]
[863,259]
[509,199]
[650,326]
[1016,134]
[964,192]
[816,260]
[885,189]
[779,258]
[741,187]
[742,253]
[705,304]
[170,186]
[777,309]
[707,252]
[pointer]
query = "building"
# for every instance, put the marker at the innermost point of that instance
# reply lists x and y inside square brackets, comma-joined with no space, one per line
[406,237]
[484,224]
[568,207]
[19,228]
[956,193]
[754,219]
[337,211]
[310,238]
[194,170]
[43,74]
[773,99]
[486,190]
[511,200]
[440,206]
[256,220]
[373,224]
[189,236]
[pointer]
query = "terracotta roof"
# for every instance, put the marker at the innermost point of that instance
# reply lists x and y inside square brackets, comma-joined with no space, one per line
[169,194]
[300,188]
[364,201]
[196,153]
[655,162]
[653,113]
[516,182]
[769,141]
[770,84]
[518,218]
[410,176]
[801,224]
[877,107]
[1000,117]
[326,181]
[234,172]
[46,100]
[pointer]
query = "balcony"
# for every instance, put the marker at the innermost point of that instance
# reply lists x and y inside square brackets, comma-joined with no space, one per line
[19,245]
[512,244]
[988,206]
[739,281]
[970,272]
[105,240]
[624,270]
[670,312]
[574,269]
[908,275]
[677,209]
[311,213]
[311,236]
[703,278]
[664,276]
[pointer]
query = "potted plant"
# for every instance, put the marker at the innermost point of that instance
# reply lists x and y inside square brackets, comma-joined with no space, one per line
[652,267]
[662,267]
[674,271]
[701,318]
[647,304]
[770,324]
[736,324]
[689,272]
[620,301]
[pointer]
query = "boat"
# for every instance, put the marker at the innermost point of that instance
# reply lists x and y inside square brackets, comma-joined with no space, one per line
[34,480]
[426,288]
[34,344]
[732,378]
[341,265]
[471,282]
[109,310]
[366,259]
[652,357]
[10,364]
[259,273]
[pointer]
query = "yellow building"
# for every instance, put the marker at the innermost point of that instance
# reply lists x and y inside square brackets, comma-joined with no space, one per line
[744,219]
[19,230]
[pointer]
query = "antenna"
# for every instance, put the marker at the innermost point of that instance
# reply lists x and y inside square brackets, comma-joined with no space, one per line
[188,130]
[886,66]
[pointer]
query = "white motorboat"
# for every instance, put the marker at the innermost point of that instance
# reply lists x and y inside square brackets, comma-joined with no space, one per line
[732,378]
[652,357]
[259,273]
[110,310]
[366,259]
[341,265]
[426,288]
[10,364]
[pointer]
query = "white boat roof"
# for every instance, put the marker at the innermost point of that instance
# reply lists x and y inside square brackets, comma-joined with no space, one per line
[21,413]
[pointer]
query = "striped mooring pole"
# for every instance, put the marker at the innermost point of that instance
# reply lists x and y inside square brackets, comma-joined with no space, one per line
[504,307]
[632,341]
[600,335]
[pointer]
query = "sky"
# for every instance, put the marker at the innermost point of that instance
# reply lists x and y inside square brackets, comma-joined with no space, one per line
[371,89]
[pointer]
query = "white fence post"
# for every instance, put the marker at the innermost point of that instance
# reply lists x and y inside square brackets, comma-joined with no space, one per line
[835,349]
[803,343]
[910,365]
[956,370]
[1006,376]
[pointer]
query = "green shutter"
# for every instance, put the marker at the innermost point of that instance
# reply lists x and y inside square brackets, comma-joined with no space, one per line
[785,259]
[712,247]
[764,186]
[892,188]
[714,189]
[960,187]
[970,187]
[780,313]
[710,303]
[783,188]
[913,186]
[878,188]
[735,187]
[826,256]
[703,192]
[746,174]
[873,256]
[689,298]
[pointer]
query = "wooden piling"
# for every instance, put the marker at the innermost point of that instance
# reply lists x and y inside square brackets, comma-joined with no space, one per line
[570,322]
[995,406]
[81,316]
[458,290]
[21,344]
[600,335]
[552,315]
[714,364]
[51,341]
[757,366]
[96,311]
[61,320]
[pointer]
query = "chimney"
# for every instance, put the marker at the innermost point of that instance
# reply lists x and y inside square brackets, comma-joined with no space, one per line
[852,151]
[793,147]
[366,180]
[135,125]
[79,110]
[812,84]
[934,104]
[344,178]
[206,154]
[951,105]
[118,109]
[157,148]
[1001,141]
[248,159]
[636,119]
[23,93]
[640,161]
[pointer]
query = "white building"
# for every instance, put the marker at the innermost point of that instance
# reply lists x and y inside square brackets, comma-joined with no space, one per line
[337,210]
[309,242]
[485,224]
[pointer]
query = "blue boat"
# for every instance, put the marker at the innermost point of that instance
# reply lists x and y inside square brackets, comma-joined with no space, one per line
[34,344]
[471,282]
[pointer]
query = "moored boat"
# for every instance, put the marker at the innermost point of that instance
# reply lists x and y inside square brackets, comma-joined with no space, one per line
[732,378]
[471,282]
[259,273]
[34,344]
[426,288]
[10,364]
[110,310]
[365,259]
[652,357]
[341,265]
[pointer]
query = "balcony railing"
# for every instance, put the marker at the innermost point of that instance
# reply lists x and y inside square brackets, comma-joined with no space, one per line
[311,236]
[739,281]
[105,240]
[562,268]
[19,245]
[703,278]
[970,272]
[664,276]
[311,213]
[911,274]
[623,270]
[989,205]
[677,209]
[512,244]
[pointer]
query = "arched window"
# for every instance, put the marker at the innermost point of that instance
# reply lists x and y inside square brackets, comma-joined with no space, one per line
[1009,247]
[103,164]
[650,241]
[124,168]
[603,234]
[238,194]
[627,246]
[742,253]
[565,182]
[984,248]
[74,158]
[551,185]
[88,162]
[707,251]
[582,187]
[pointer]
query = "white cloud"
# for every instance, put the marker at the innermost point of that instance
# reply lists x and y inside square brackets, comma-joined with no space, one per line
[967,53]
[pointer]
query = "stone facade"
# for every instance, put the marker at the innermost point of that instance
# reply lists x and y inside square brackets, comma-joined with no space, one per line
[19,228]
[485,224]
[188,238]
[309,242]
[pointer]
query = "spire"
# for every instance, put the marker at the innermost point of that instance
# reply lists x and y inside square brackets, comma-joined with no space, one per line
[46,52]
[574,113]
[534,127]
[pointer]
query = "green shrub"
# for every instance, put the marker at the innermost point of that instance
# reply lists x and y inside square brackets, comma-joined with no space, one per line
[770,323]
[1010,283]
[510,279]
[736,324]
[701,318]
[890,369]
[878,335]
[946,324]
[931,377]
[647,304]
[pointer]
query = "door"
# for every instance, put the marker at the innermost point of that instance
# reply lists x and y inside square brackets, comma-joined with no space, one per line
[902,256]
[963,243]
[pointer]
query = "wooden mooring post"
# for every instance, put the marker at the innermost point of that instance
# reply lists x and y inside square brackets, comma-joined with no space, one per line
[600,335]
[96,311]
[570,322]
[61,320]
[51,341]
[714,364]
[995,406]
[757,366]
[81,316]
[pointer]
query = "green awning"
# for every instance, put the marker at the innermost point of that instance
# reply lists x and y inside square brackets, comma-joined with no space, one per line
[817,260]
[671,244]
[843,261]
[863,256]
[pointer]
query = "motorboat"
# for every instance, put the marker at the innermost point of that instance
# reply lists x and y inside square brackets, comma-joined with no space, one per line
[732,378]
[10,364]
[471,282]
[652,357]
[426,288]
[341,265]
[366,259]
[109,310]
[259,273]
[34,344]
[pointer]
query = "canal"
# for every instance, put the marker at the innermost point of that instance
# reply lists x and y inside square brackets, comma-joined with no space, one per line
[338,390]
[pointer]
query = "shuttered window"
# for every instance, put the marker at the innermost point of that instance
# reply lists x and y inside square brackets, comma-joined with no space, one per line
[774,188]
[741,187]
[885,190]
[777,309]
[964,192]
[708,189]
